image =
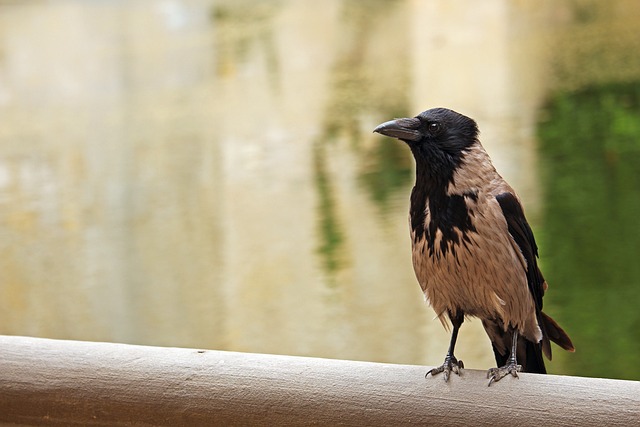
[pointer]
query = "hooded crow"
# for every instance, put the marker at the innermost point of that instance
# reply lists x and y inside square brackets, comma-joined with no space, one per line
[474,253]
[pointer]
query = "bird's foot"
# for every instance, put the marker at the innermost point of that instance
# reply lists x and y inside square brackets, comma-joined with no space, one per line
[451,364]
[496,374]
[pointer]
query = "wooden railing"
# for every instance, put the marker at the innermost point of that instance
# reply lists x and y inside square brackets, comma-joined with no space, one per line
[54,382]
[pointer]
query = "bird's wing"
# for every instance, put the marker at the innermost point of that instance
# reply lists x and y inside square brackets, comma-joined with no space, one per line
[523,237]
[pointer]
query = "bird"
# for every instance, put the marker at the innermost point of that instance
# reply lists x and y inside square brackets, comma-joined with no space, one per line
[473,251]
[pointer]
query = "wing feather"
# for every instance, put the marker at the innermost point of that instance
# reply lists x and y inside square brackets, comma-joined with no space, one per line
[523,236]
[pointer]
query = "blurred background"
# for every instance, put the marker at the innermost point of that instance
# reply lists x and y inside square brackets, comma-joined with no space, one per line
[204,174]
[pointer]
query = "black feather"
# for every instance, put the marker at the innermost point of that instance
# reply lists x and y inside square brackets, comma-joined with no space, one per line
[523,236]
[532,360]
[437,157]
[529,353]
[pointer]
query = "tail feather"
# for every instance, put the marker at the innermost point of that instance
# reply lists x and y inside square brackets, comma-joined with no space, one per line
[529,353]
[501,359]
[533,361]
[555,333]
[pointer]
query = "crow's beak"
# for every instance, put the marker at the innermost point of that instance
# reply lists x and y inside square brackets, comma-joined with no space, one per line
[404,129]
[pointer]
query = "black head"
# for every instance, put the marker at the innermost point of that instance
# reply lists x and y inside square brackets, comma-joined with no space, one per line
[438,139]
[435,131]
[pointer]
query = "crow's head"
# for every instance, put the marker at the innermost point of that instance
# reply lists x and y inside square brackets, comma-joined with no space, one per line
[434,134]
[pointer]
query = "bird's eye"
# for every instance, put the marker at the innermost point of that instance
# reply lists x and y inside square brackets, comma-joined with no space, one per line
[434,127]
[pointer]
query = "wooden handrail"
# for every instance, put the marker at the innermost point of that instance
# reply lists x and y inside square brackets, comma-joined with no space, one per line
[56,382]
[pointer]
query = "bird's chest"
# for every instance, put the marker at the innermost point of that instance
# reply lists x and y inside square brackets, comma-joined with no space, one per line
[464,261]
[443,257]
[442,223]
[447,253]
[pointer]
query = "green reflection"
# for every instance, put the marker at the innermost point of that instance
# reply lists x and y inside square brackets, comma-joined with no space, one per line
[388,172]
[331,231]
[590,150]
[241,25]
[361,87]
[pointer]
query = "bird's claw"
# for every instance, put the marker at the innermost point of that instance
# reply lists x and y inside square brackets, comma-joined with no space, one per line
[496,374]
[451,364]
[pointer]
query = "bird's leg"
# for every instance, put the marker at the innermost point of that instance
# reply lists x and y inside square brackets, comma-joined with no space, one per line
[512,367]
[450,361]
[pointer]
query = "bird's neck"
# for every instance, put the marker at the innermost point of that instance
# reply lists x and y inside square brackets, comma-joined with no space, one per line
[430,188]
[434,207]
[433,174]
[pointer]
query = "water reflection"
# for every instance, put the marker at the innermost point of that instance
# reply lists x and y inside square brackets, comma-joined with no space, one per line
[591,147]
[354,91]
[203,173]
